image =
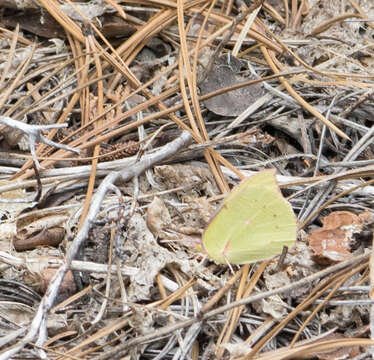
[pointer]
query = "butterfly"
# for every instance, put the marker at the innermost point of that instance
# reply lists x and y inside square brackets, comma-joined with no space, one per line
[253,223]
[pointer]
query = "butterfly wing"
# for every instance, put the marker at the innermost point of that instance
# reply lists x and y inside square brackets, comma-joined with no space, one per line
[253,223]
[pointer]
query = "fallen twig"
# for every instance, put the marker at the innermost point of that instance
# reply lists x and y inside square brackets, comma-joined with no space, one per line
[34,132]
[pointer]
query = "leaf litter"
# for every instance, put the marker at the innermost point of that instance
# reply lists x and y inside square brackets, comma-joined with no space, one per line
[120,221]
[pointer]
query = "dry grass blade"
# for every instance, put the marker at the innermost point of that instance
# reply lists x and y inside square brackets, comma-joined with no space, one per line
[306,351]
[357,7]
[185,67]
[90,45]
[297,97]
[330,22]
[70,26]
[170,329]
[10,57]
[244,290]
[244,31]
[320,289]
[5,33]
[21,70]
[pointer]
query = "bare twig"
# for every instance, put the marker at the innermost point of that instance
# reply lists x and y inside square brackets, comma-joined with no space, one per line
[34,132]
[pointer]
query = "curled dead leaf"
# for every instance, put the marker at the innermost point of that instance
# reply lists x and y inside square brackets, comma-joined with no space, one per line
[34,231]
[46,237]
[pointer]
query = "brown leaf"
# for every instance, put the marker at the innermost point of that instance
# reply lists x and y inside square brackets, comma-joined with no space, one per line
[34,230]
[67,287]
[46,237]
[40,274]
[115,26]
[331,243]
[36,22]
[224,74]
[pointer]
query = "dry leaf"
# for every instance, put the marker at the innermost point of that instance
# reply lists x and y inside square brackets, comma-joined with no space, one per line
[331,243]
[274,306]
[177,175]
[36,22]
[67,287]
[158,217]
[33,231]
[224,74]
